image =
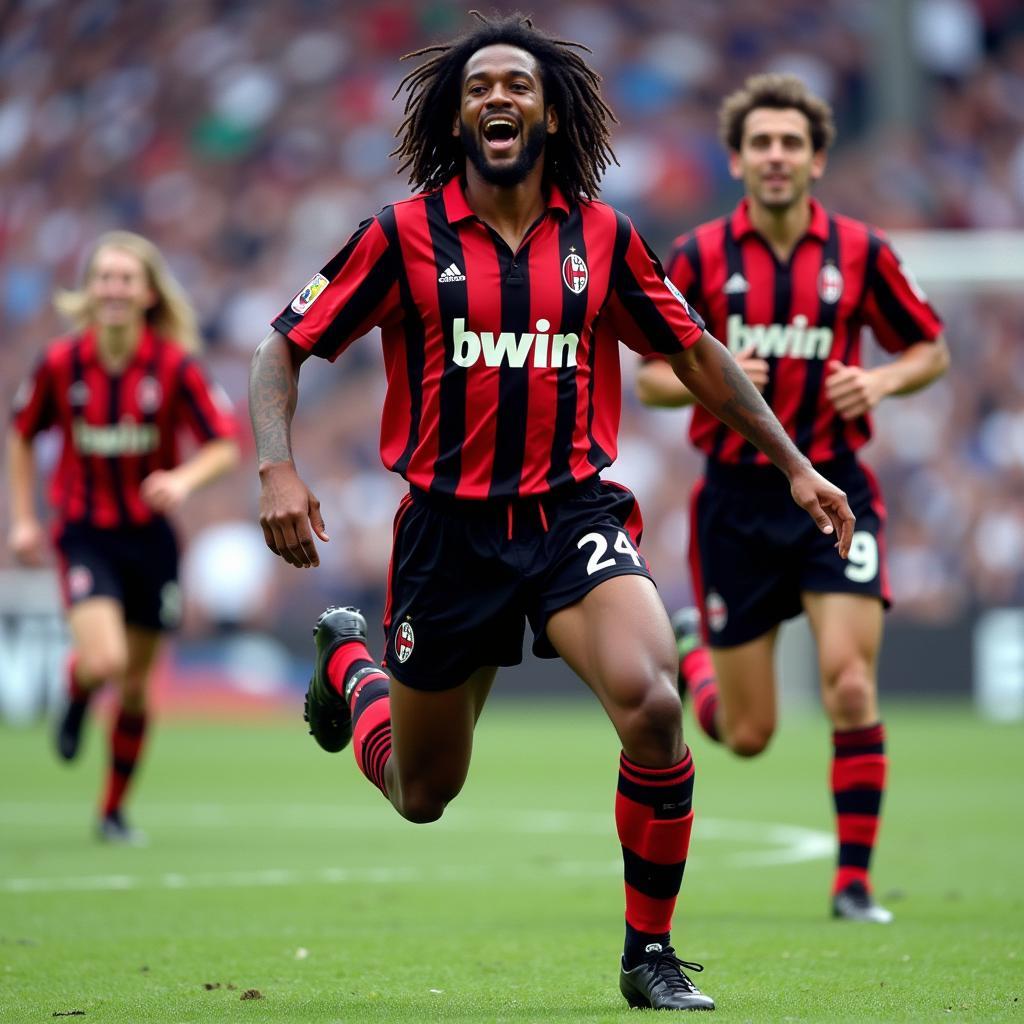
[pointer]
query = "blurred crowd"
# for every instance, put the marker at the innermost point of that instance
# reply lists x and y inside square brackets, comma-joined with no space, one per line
[248,139]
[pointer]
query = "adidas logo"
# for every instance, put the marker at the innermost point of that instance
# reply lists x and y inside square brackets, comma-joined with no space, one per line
[452,274]
[736,285]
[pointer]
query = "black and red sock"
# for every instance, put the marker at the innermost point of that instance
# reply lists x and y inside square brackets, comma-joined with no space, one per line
[127,736]
[352,667]
[859,767]
[653,816]
[698,673]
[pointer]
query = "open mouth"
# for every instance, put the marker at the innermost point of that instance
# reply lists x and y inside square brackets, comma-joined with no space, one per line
[500,132]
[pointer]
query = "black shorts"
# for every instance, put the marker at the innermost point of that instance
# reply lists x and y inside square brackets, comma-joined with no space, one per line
[754,551]
[137,566]
[465,576]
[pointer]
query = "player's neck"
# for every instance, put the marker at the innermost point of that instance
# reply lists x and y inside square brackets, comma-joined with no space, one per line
[117,345]
[510,210]
[781,228]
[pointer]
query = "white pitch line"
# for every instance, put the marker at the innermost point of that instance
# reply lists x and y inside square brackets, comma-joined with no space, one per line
[786,844]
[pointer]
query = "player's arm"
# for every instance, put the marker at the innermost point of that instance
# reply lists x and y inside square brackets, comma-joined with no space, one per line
[710,373]
[288,508]
[164,490]
[657,384]
[855,391]
[27,538]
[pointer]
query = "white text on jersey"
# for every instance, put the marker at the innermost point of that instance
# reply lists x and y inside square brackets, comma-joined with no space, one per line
[511,349]
[796,340]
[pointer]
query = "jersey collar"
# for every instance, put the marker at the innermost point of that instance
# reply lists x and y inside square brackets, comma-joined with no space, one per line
[457,207]
[741,225]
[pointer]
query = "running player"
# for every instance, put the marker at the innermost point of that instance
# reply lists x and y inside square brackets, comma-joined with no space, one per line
[501,290]
[119,390]
[788,286]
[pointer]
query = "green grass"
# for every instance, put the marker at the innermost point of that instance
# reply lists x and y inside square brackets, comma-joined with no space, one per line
[275,867]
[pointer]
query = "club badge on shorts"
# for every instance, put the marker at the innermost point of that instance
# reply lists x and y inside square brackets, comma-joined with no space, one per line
[405,640]
[717,612]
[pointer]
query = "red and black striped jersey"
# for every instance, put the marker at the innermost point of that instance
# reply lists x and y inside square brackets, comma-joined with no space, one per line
[116,428]
[502,367]
[799,315]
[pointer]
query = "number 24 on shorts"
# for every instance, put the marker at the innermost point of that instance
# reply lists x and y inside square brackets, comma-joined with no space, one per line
[597,561]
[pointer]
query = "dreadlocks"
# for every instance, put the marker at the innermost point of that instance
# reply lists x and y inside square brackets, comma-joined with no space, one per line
[577,155]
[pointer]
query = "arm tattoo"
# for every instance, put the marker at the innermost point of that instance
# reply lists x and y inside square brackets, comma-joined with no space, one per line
[273,391]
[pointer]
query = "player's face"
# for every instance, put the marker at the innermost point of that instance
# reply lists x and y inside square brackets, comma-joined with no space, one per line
[502,120]
[118,289]
[776,161]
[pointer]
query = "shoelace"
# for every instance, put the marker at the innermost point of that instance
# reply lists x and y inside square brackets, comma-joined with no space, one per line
[670,968]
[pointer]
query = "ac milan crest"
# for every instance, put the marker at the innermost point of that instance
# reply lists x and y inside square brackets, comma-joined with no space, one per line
[405,640]
[79,582]
[575,273]
[830,284]
[148,395]
[717,613]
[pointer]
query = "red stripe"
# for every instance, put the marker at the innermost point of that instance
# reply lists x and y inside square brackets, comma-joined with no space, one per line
[869,736]
[483,279]
[646,914]
[866,771]
[396,416]
[417,255]
[857,828]
[661,842]
[674,774]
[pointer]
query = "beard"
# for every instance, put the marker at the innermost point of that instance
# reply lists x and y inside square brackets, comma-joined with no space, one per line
[505,175]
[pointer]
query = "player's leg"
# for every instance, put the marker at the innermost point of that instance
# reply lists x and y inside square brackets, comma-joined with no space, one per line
[99,652]
[128,733]
[741,524]
[413,744]
[848,630]
[617,638]
[747,713]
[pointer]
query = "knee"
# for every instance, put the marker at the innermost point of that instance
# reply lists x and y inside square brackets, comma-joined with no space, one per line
[852,692]
[748,739]
[422,804]
[654,723]
[97,665]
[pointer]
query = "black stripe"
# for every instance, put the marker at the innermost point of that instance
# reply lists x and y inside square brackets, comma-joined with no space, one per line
[668,802]
[782,302]
[133,725]
[370,693]
[415,341]
[114,461]
[122,766]
[873,748]
[364,300]
[659,881]
[453,303]
[854,855]
[513,381]
[88,472]
[858,801]
[574,308]
[735,305]
[808,408]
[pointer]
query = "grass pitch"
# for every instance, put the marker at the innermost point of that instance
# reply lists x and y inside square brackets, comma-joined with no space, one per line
[278,886]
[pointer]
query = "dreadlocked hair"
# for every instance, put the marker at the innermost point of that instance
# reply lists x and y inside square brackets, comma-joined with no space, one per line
[577,155]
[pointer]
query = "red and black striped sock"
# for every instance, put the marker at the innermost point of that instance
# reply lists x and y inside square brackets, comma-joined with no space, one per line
[653,817]
[858,781]
[352,668]
[126,739]
[697,672]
